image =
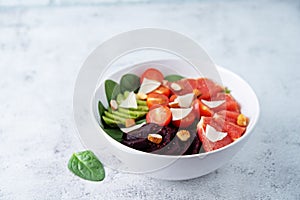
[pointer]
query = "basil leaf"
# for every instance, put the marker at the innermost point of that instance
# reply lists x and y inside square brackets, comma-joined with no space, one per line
[173,77]
[227,91]
[87,166]
[116,134]
[129,82]
[112,89]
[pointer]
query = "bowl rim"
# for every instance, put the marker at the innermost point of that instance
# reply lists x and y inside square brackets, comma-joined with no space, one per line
[130,150]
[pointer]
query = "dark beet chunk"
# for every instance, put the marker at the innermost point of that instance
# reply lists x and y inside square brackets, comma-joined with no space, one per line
[175,146]
[195,146]
[137,139]
[168,134]
[138,143]
[142,132]
[184,145]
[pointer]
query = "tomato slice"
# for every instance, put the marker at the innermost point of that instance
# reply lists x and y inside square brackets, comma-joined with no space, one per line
[160,115]
[205,110]
[157,99]
[185,122]
[173,97]
[163,90]
[152,74]
[173,104]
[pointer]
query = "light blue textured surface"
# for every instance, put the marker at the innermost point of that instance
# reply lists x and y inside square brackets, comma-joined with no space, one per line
[43,44]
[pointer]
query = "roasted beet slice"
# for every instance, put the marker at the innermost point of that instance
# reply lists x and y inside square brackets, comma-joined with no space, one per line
[142,132]
[137,139]
[138,143]
[168,134]
[195,146]
[175,146]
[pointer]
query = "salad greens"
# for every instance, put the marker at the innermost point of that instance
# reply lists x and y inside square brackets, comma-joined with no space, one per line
[173,77]
[112,89]
[87,166]
[130,82]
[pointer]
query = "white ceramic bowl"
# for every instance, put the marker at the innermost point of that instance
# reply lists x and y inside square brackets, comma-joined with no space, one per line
[118,156]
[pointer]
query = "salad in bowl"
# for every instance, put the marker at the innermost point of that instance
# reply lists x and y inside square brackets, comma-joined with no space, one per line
[171,114]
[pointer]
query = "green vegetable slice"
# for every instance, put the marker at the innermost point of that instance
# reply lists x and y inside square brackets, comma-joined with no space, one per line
[140,108]
[112,89]
[141,103]
[115,117]
[134,113]
[111,122]
[87,166]
[173,77]
[120,114]
[129,82]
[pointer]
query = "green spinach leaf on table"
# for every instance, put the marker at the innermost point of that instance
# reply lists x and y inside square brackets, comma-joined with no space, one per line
[87,166]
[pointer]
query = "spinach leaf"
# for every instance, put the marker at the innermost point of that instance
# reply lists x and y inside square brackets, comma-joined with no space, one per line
[112,89]
[130,82]
[173,77]
[115,133]
[101,110]
[87,166]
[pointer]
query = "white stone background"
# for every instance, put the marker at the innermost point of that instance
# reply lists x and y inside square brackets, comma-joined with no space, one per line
[43,44]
